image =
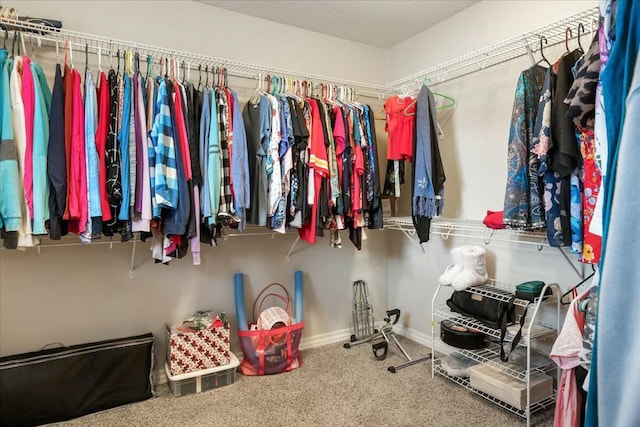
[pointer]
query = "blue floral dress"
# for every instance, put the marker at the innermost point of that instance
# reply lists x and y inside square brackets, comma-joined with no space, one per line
[523,207]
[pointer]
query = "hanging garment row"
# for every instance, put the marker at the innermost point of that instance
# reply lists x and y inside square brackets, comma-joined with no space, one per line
[315,164]
[554,172]
[412,125]
[177,162]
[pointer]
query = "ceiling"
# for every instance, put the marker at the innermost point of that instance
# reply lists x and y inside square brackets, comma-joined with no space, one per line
[377,23]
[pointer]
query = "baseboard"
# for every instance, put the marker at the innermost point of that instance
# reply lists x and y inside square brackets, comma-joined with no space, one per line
[334,337]
[414,335]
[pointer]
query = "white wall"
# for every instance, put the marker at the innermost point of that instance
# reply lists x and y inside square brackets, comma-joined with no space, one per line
[476,27]
[81,294]
[474,148]
[195,27]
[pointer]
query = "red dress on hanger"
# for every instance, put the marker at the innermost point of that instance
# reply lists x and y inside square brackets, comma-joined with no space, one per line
[400,125]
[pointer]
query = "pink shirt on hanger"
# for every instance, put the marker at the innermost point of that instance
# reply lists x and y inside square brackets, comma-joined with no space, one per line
[77,181]
[28,99]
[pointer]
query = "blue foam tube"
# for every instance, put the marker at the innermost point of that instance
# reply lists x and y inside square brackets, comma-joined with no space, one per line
[297,305]
[238,282]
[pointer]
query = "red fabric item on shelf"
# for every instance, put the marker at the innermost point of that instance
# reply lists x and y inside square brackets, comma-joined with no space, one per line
[494,220]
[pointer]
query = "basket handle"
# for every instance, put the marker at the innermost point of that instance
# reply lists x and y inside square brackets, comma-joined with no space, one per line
[286,300]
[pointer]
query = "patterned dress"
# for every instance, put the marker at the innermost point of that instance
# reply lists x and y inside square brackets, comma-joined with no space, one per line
[551,180]
[522,203]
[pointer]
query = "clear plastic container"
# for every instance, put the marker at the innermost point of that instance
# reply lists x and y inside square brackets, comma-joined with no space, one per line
[199,381]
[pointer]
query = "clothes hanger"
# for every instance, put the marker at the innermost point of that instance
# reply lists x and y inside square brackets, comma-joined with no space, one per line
[567,34]
[570,291]
[149,65]
[70,51]
[544,58]
[118,56]
[21,45]
[99,53]
[206,74]
[215,74]
[199,76]
[13,44]
[580,27]
[33,50]
[451,104]
[86,60]
[257,92]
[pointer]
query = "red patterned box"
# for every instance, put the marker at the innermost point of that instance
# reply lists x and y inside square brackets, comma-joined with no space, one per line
[191,350]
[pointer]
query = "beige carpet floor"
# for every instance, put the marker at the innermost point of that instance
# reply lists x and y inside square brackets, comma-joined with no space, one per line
[334,387]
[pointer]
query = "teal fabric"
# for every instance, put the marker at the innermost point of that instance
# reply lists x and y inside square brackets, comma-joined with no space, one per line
[90,123]
[123,140]
[44,86]
[10,214]
[616,340]
[40,148]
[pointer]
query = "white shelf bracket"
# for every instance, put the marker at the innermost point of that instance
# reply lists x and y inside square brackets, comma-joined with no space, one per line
[579,271]
[133,258]
[288,257]
[410,236]
[527,47]
[446,236]
[487,241]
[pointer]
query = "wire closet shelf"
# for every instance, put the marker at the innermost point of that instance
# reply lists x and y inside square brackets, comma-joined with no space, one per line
[78,41]
[455,227]
[515,47]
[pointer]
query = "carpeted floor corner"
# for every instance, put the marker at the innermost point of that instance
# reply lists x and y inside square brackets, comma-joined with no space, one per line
[334,387]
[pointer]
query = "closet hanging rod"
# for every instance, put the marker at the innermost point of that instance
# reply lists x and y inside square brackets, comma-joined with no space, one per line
[500,52]
[235,68]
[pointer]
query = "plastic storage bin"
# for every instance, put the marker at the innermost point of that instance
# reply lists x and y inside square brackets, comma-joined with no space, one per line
[207,379]
[508,389]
